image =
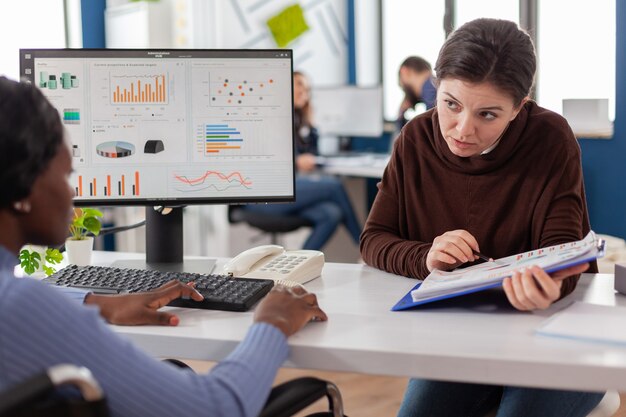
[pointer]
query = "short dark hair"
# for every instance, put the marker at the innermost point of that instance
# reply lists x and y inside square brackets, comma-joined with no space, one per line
[31,133]
[416,63]
[490,50]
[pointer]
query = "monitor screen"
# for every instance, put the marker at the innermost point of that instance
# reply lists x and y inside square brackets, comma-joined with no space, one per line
[348,110]
[159,127]
[170,128]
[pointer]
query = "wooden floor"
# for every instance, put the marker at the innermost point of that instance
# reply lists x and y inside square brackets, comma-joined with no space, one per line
[363,395]
[621,412]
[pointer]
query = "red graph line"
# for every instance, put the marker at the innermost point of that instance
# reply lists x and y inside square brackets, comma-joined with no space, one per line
[221,176]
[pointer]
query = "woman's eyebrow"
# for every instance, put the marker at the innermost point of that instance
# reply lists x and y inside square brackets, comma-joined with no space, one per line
[496,107]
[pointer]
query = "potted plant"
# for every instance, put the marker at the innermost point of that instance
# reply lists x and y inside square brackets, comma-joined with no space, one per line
[79,246]
[39,259]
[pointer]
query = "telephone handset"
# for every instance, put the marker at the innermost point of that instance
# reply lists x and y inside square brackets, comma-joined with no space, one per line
[274,262]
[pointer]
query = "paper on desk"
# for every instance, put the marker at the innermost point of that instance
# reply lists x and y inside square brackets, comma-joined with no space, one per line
[550,258]
[592,322]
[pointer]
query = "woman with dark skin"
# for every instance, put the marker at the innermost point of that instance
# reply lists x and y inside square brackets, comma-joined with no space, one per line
[42,328]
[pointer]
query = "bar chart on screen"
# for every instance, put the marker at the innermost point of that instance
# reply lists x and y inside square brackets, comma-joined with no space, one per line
[108,185]
[139,89]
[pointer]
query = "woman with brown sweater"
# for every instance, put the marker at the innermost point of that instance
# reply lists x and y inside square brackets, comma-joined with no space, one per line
[487,170]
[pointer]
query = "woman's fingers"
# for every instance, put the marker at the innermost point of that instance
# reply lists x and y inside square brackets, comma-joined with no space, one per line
[520,294]
[451,249]
[549,286]
[507,284]
[568,272]
[531,289]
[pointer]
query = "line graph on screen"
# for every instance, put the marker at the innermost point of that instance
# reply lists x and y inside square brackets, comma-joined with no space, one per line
[194,181]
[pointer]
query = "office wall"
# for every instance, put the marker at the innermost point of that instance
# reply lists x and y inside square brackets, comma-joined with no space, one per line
[321,51]
[604,161]
[316,30]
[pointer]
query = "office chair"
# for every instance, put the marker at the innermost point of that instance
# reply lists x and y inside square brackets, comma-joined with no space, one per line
[34,396]
[268,223]
[293,396]
[30,398]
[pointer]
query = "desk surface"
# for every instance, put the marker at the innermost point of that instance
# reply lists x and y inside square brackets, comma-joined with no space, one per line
[475,338]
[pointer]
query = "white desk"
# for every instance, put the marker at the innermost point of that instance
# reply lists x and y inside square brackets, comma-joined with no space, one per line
[486,343]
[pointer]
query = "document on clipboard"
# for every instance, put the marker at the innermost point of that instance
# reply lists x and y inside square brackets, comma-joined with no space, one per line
[440,285]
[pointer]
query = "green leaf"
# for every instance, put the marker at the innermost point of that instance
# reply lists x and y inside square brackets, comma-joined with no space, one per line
[29,261]
[91,212]
[93,225]
[24,255]
[53,256]
[85,220]
[49,270]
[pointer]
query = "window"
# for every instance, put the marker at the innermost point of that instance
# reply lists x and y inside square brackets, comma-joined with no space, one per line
[466,10]
[409,27]
[31,24]
[576,49]
[576,52]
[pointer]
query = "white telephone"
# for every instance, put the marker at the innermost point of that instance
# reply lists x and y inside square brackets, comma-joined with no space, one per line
[274,262]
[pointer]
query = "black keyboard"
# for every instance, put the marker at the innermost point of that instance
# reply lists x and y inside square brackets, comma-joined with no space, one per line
[221,292]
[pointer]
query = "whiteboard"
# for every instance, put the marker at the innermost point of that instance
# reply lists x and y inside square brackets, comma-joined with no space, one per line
[321,52]
[348,110]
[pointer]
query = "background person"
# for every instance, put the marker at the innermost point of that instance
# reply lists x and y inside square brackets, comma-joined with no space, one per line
[41,327]
[415,78]
[491,171]
[320,199]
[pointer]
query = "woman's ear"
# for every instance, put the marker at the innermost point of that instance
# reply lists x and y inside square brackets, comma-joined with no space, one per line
[22,206]
[519,108]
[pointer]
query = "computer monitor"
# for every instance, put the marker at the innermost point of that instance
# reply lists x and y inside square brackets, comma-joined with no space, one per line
[348,110]
[588,116]
[170,128]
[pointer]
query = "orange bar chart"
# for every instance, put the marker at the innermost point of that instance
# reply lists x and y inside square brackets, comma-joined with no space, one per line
[111,186]
[79,189]
[138,92]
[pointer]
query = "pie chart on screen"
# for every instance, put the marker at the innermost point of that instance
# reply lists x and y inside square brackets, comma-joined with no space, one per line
[115,149]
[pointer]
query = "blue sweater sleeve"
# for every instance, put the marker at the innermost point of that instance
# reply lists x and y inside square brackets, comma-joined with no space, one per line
[41,328]
[75,294]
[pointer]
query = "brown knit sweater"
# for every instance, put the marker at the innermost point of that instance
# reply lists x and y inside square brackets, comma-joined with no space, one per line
[525,194]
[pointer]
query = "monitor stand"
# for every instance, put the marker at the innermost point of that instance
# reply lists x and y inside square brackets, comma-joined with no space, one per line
[164,246]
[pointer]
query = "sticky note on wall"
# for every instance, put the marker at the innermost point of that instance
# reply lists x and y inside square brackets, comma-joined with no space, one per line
[288,25]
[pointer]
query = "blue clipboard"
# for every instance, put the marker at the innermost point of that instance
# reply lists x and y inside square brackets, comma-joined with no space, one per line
[407,302]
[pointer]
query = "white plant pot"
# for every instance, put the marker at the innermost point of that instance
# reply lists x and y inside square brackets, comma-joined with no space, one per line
[79,251]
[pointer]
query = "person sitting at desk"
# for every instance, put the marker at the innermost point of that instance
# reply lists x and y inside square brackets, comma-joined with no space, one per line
[41,327]
[415,77]
[487,170]
[320,199]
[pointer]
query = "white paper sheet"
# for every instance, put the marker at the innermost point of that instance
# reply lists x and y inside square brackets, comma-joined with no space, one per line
[591,322]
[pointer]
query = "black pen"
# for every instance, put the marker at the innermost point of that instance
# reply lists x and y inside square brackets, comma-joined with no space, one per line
[481,256]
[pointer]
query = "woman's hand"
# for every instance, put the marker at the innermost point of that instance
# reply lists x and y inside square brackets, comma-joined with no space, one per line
[451,250]
[533,288]
[141,308]
[289,309]
[305,162]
